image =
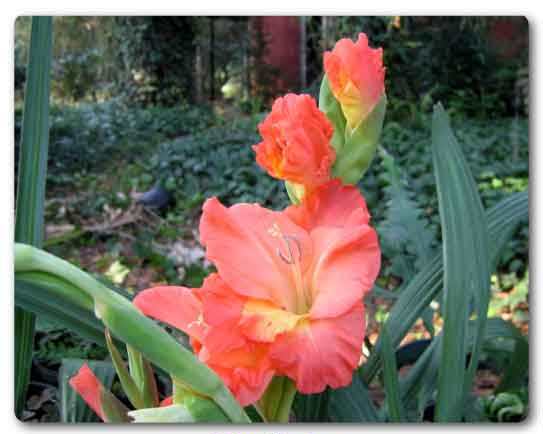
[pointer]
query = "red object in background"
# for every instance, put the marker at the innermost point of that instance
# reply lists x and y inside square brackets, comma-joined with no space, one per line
[508,36]
[283,49]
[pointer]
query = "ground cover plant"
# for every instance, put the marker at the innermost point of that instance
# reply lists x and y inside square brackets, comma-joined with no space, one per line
[95,218]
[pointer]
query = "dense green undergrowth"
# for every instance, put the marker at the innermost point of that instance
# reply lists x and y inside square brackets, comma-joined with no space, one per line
[86,137]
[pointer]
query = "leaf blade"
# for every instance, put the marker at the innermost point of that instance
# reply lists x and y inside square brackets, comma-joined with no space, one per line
[427,284]
[129,386]
[466,274]
[352,403]
[31,182]
[390,378]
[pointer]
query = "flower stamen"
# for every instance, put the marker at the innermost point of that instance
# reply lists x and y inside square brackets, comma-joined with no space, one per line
[290,260]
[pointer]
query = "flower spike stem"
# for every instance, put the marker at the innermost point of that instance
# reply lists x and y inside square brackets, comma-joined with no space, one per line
[289,392]
[275,404]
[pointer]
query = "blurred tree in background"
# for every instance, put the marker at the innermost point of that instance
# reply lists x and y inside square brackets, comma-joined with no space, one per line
[114,77]
[151,72]
[477,64]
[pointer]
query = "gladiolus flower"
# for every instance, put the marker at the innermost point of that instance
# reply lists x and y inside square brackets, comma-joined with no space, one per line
[356,76]
[89,388]
[302,274]
[296,142]
[97,397]
[287,298]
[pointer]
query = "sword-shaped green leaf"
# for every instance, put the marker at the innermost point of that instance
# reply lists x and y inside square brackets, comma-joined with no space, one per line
[466,268]
[390,378]
[127,382]
[428,283]
[31,182]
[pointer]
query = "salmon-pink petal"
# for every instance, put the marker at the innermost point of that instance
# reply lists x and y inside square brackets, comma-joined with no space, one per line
[220,304]
[248,244]
[246,385]
[89,388]
[223,339]
[345,268]
[221,308]
[246,371]
[174,305]
[323,352]
[332,204]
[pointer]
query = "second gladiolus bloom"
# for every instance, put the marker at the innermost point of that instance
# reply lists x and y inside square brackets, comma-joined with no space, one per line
[287,298]
[296,142]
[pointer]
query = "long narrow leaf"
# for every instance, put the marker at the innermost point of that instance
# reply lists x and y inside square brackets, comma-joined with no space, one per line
[390,378]
[421,381]
[428,283]
[419,386]
[34,136]
[518,368]
[352,404]
[311,408]
[55,299]
[31,182]
[466,268]
[129,386]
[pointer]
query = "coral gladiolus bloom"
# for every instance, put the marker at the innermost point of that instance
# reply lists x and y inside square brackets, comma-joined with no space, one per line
[356,76]
[296,142]
[301,275]
[89,388]
[287,298]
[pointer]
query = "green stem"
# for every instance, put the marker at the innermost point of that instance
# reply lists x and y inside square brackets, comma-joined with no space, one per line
[289,392]
[276,402]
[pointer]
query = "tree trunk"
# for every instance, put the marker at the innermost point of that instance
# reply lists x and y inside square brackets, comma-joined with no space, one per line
[303,54]
[327,32]
[211,59]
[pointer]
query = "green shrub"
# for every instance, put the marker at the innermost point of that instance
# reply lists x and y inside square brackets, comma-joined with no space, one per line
[216,162]
[497,153]
[84,137]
